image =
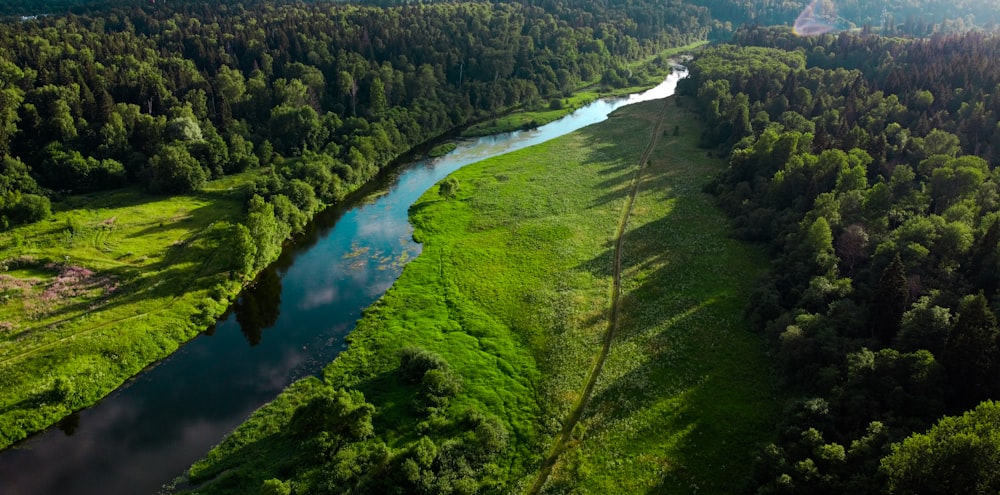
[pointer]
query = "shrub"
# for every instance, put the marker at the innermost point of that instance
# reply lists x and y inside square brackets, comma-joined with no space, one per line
[416,362]
[274,486]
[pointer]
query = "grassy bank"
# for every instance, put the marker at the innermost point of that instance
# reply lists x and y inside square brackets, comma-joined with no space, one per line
[508,305]
[106,286]
[549,110]
[686,391]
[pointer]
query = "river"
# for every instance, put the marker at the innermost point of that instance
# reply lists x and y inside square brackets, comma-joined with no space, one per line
[290,324]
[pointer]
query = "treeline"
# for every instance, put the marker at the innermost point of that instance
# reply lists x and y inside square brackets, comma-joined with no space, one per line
[168,95]
[867,167]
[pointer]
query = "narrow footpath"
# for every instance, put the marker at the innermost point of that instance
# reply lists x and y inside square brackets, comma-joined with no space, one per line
[565,436]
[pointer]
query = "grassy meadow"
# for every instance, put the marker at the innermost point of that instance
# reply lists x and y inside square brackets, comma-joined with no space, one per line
[512,291]
[686,391]
[109,284]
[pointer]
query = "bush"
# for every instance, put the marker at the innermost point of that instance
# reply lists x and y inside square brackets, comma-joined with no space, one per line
[62,389]
[441,382]
[173,170]
[416,362]
[274,486]
[30,209]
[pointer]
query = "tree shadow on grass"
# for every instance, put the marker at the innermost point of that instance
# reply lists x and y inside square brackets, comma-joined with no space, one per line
[684,372]
[697,383]
[198,218]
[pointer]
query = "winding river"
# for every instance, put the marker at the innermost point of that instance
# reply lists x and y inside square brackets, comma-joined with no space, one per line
[290,324]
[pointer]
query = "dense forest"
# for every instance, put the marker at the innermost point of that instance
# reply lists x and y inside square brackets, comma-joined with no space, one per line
[167,95]
[866,166]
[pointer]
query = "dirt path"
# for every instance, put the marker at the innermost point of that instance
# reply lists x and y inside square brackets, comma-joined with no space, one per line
[565,436]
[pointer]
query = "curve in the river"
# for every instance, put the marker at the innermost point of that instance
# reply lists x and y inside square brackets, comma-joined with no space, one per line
[294,319]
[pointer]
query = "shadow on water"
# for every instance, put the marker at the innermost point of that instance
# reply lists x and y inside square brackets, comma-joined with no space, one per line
[295,318]
[259,306]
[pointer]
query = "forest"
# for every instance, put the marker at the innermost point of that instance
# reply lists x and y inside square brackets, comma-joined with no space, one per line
[166,96]
[863,162]
[865,165]
[290,105]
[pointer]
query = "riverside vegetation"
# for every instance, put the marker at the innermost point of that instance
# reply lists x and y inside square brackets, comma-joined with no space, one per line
[231,123]
[149,171]
[461,377]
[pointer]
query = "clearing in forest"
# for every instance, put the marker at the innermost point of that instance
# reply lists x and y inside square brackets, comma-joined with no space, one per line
[514,291]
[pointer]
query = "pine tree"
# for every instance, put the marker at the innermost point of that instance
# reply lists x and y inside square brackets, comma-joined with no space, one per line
[889,301]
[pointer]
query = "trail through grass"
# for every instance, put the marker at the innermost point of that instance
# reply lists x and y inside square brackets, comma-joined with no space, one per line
[565,435]
[686,392]
[108,285]
[512,290]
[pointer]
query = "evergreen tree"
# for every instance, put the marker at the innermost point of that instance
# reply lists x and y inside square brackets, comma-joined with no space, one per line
[889,301]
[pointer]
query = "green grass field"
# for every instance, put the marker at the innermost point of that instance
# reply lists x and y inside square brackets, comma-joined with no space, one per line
[108,285]
[686,391]
[513,289]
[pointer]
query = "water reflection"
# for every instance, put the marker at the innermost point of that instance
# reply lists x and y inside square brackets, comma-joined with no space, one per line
[69,424]
[154,427]
[259,306]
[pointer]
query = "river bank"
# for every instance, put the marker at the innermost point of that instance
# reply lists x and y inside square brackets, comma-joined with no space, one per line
[508,302]
[308,301]
[83,289]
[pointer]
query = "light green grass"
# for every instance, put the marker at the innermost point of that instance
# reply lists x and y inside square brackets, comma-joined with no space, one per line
[535,116]
[157,280]
[512,289]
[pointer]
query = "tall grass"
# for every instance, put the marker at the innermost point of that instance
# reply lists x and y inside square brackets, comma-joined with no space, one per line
[512,291]
[106,286]
[686,392]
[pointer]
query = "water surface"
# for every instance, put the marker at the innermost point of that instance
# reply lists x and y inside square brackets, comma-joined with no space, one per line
[290,324]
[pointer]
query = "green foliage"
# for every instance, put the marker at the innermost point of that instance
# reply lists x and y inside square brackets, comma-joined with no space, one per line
[881,224]
[173,170]
[275,486]
[62,389]
[971,353]
[441,150]
[335,412]
[958,455]
[265,230]
[473,359]
[449,188]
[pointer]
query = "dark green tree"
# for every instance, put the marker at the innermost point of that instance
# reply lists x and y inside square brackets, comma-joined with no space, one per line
[173,170]
[970,354]
[889,301]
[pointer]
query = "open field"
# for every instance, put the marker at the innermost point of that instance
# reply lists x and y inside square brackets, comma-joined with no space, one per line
[513,292]
[686,391]
[106,286]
